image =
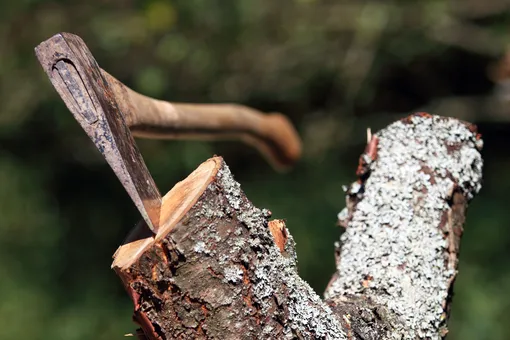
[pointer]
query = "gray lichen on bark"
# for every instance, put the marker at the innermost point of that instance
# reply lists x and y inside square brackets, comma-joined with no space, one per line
[275,275]
[399,250]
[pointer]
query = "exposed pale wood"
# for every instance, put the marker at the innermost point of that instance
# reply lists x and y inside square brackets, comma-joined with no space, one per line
[279,232]
[176,204]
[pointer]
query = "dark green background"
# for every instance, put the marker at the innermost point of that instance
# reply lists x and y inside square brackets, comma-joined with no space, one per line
[334,67]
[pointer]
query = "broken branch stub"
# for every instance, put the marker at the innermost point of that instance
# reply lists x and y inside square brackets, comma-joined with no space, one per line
[218,268]
[397,259]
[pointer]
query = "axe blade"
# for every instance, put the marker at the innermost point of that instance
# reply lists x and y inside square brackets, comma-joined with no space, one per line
[76,76]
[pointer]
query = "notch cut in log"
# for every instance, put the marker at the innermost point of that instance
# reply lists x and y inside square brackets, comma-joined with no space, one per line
[216,270]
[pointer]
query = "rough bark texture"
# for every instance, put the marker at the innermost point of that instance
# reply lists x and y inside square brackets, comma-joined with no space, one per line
[221,269]
[397,260]
[218,273]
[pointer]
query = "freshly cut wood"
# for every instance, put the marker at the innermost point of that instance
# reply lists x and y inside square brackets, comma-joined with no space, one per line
[218,268]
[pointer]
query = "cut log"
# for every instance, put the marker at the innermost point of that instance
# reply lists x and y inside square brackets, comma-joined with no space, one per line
[218,268]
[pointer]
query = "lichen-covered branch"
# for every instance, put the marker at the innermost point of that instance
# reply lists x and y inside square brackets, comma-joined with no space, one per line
[219,269]
[397,260]
[219,273]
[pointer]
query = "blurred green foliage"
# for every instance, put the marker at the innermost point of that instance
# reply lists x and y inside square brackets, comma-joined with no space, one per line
[334,67]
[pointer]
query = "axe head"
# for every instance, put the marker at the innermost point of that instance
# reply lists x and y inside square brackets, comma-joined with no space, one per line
[76,76]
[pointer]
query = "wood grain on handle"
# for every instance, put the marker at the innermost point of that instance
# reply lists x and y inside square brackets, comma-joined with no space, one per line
[272,134]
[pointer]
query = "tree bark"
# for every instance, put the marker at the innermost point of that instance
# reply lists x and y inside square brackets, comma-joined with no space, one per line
[219,268]
[397,260]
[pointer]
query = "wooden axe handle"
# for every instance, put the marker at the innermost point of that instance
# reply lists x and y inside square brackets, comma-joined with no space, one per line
[272,134]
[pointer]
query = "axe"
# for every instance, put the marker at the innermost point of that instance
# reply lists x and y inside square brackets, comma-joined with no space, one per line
[111,114]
